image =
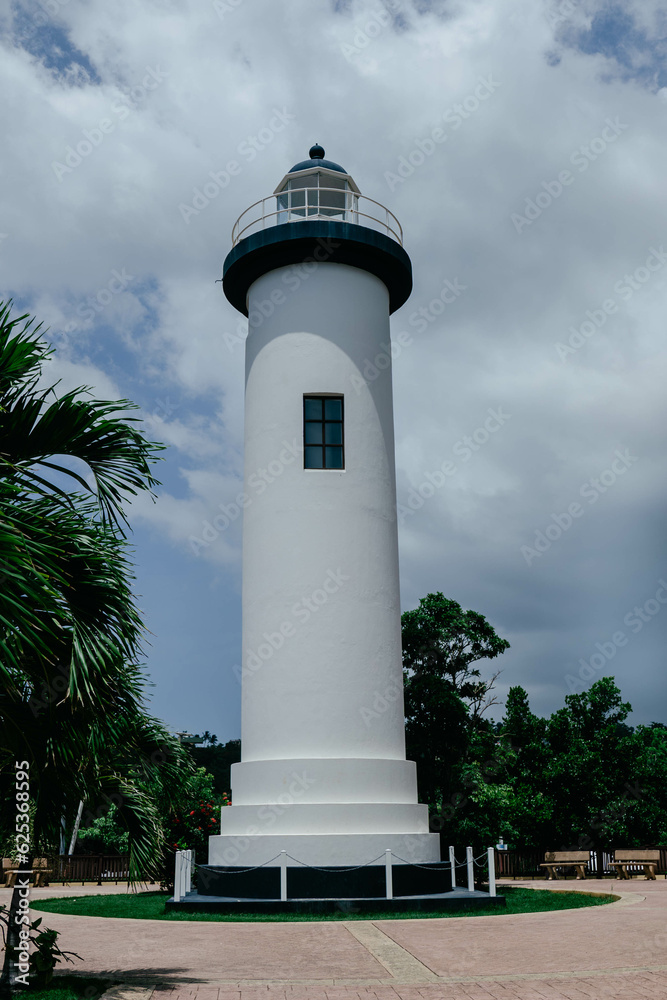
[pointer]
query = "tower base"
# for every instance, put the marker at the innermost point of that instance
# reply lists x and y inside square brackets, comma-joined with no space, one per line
[323,850]
[447,902]
[303,882]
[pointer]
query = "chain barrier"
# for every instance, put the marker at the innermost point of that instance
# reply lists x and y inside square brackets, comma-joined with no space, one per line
[241,871]
[413,864]
[340,870]
[355,868]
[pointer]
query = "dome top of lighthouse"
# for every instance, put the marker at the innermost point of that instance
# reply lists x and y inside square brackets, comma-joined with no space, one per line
[316,154]
[317,172]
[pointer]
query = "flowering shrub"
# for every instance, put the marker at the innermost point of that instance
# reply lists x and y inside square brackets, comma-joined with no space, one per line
[198,818]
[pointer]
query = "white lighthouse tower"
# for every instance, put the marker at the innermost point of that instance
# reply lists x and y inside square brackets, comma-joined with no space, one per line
[317,269]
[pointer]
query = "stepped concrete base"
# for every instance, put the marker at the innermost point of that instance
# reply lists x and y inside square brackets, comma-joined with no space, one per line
[323,850]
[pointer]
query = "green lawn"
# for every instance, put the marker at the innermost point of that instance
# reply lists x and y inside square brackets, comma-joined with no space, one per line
[69,987]
[150,906]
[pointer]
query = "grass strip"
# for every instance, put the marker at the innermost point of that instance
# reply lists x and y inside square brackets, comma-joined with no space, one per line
[151,906]
[69,987]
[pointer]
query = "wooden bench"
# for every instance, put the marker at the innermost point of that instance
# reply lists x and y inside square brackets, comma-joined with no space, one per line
[39,871]
[649,860]
[7,865]
[566,859]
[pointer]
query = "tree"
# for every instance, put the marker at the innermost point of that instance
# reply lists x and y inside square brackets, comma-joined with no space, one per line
[590,761]
[218,758]
[529,819]
[445,698]
[584,778]
[443,640]
[71,690]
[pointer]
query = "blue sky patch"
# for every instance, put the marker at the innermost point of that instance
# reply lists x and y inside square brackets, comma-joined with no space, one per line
[37,33]
[614,34]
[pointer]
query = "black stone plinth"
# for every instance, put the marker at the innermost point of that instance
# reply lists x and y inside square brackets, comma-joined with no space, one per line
[457,900]
[319,883]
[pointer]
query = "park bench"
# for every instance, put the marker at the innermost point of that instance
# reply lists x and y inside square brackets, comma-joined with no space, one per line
[39,870]
[565,859]
[632,857]
[7,865]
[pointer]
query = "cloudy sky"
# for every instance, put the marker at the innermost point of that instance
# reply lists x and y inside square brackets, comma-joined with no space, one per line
[541,379]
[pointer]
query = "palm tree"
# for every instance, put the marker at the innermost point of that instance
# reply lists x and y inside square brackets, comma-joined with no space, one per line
[71,690]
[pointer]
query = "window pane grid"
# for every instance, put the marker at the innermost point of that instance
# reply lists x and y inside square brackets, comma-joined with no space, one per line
[323,432]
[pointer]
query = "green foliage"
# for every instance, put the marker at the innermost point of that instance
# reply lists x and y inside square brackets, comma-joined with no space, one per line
[445,697]
[218,758]
[580,779]
[442,640]
[195,815]
[104,834]
[45,953]
[71,688]
[72,987]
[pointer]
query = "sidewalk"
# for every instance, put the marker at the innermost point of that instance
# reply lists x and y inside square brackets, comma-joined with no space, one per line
[616,951]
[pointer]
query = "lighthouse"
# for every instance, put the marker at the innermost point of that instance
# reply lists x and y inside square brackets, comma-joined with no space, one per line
[318,268]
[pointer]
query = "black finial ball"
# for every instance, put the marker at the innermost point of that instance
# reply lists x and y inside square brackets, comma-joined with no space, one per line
[316,152]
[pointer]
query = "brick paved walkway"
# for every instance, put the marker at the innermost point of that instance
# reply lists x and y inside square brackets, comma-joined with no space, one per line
[617,951]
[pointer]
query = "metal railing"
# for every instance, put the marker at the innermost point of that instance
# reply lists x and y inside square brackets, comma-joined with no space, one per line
[308,204]
[184,866]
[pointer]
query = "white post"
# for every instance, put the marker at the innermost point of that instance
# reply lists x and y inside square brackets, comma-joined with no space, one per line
[452,865]
[188,874]
[177,877]
[492,871]
[471,873]
[283,875]
[388,877]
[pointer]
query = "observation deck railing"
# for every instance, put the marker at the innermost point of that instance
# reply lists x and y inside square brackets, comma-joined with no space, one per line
[309,203]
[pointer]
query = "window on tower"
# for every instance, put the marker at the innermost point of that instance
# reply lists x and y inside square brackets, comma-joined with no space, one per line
[323,432]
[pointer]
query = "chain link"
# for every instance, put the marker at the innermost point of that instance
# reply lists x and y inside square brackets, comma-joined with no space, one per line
[341,870]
